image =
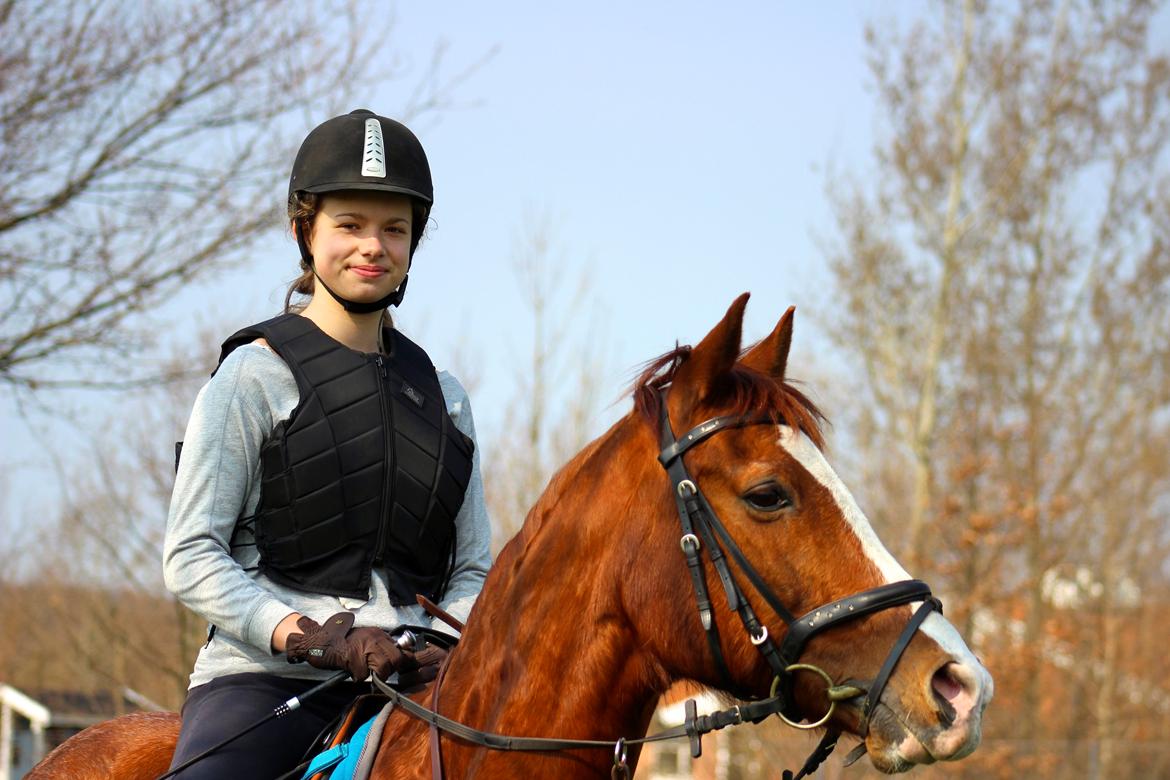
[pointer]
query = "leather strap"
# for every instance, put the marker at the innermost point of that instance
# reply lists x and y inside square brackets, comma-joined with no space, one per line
[697,725]
[435,611]
[703,430]
[822,751]
[435,736]
[849,608]
[892,659]
[696,515]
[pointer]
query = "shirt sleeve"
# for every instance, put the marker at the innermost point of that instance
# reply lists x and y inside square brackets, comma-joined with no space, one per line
[230,421]
[473,528]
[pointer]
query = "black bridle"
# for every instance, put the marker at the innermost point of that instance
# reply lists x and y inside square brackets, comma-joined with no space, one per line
[702,529]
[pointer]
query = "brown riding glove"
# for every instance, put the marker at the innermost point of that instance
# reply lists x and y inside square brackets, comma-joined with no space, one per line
[338,645]
[418,669]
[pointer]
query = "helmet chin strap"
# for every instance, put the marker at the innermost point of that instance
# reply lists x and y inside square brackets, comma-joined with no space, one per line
[354,307]
[359,307]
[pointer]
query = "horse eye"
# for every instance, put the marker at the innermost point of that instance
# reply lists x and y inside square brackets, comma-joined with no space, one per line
[768,498]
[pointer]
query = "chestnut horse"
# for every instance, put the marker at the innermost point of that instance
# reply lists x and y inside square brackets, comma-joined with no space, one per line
[589,614]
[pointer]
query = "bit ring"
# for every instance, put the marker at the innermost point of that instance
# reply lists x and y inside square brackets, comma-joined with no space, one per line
[828,686]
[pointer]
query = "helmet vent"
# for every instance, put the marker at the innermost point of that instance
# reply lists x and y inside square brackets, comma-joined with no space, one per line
[374,152]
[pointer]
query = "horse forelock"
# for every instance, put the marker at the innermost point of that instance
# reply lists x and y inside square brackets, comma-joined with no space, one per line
[743,392]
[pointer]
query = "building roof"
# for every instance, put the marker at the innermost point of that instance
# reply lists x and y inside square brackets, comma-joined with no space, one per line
[62,708]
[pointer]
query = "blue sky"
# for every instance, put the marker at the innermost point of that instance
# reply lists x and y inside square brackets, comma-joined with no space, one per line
[676,151]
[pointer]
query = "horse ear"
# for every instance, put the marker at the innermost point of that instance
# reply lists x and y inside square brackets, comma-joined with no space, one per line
[711,359]
[770,356]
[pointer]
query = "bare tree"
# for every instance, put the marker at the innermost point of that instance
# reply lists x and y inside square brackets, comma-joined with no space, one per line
[90,601]
[557,388]
[1006,282]
[144,144]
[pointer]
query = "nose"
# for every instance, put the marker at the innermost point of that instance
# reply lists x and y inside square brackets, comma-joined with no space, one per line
[960,691]
[371,246]
[954,686]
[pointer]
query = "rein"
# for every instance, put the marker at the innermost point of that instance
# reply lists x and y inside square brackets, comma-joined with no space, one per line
[702,530]
[693,728]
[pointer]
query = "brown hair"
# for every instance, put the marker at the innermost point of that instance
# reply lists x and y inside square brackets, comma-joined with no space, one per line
[302,210]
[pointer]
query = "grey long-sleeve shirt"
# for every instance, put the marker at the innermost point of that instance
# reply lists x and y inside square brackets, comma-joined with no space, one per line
[209,562]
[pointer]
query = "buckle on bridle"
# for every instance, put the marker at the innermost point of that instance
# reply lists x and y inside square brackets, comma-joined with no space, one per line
[620,769]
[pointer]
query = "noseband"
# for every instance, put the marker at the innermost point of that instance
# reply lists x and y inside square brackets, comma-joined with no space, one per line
[702,529]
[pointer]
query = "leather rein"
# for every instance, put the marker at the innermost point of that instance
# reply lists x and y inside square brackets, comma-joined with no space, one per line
[702,530]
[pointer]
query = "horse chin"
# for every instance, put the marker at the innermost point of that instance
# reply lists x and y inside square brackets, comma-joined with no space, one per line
[892,760]
[893,746]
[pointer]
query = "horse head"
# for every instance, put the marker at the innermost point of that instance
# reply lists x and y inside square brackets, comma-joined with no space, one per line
[751,458]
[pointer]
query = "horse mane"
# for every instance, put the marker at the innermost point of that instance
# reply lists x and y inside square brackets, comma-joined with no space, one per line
[747,391]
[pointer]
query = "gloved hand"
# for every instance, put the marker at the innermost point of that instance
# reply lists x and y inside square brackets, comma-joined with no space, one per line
[418,669]
[338,645]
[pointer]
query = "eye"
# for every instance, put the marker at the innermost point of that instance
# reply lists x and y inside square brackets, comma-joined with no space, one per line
[769,497]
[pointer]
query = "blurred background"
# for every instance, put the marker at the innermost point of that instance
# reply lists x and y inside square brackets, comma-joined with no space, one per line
[968,202]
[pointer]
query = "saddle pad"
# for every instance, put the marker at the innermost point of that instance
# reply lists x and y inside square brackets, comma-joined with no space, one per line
[353,759]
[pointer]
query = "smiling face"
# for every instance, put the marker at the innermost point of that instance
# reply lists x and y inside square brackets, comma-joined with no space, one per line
[360,243]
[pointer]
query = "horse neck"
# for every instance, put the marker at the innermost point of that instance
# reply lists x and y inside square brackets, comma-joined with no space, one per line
[549,650]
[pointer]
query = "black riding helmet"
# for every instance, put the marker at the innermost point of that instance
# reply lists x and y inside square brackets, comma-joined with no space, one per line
[361,151]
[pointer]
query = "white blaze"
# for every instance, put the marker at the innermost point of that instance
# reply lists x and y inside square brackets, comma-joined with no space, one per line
[806,454]
[813,460]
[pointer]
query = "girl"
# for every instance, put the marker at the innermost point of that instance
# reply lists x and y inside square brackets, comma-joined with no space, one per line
[328,473]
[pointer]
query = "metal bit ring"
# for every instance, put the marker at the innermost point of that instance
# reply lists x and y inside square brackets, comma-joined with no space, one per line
[828,686]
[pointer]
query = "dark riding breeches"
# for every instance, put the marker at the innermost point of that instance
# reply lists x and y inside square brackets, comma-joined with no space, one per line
[228,705]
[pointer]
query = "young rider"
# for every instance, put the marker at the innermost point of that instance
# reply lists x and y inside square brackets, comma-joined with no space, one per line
[328,473]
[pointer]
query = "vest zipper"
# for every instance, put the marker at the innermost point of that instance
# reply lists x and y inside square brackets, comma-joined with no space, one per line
[387,464]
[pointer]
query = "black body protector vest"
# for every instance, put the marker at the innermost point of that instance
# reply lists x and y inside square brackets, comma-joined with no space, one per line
[369,469]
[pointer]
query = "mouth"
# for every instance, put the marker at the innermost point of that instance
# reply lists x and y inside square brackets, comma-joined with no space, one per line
[893,756]
[368,271]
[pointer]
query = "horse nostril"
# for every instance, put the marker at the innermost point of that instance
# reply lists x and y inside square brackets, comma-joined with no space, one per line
[946,689]
[945,684]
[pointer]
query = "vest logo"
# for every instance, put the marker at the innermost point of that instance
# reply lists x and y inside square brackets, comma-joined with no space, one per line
[374,152]
[413,395]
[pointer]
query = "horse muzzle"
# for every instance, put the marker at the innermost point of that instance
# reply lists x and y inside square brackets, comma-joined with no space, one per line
[934,710]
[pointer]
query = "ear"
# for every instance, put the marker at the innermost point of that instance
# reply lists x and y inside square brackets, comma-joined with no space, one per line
[770,356]
[709,362]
